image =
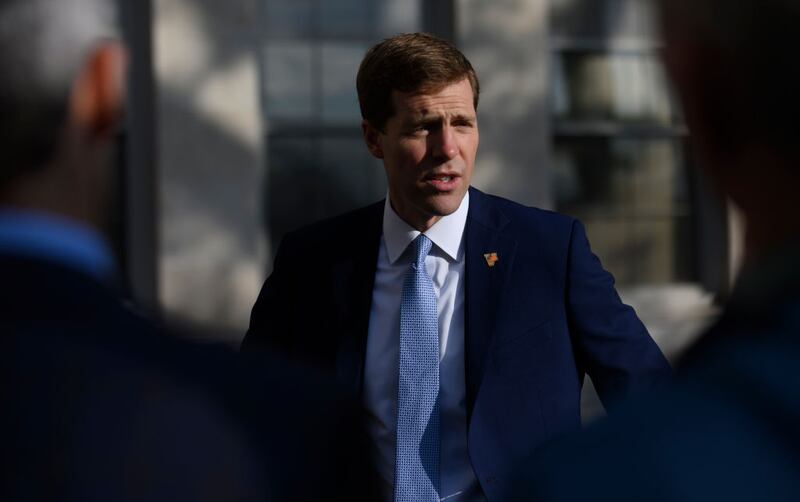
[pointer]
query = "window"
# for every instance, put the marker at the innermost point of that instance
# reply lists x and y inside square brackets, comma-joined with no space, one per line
[619,149]
[317,163]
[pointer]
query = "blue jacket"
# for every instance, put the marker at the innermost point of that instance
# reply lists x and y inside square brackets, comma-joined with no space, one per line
[536,322]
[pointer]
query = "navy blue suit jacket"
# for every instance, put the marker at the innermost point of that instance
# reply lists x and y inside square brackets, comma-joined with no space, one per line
[537,321]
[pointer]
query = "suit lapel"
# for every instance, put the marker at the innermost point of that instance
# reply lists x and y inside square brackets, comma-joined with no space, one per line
[353,281]
[484,284]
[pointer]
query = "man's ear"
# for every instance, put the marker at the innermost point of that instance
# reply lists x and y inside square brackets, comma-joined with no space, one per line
[98,92]
[372,139]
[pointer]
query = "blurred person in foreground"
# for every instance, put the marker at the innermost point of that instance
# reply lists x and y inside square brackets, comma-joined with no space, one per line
[97,402]
[728,427]
[463,321]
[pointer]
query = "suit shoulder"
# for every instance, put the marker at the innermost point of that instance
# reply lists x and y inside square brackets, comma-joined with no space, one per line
[525,216]
[335,229]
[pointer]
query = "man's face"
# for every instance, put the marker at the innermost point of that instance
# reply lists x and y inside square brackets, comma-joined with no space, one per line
[428,149]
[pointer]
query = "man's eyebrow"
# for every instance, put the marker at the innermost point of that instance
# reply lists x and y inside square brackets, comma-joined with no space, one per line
[424,115]
[465,116]
[430,117]
[423,119]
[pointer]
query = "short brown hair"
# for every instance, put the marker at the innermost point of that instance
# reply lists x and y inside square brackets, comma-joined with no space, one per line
[411,62]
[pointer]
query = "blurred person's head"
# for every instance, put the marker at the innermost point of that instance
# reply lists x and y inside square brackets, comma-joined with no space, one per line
[734,64]
[418,96]
[61,96]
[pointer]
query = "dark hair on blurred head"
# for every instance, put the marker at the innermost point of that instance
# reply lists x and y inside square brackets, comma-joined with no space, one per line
[408,63]
[759,42]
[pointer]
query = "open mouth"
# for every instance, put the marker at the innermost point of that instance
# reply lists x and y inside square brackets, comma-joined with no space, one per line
[442,182]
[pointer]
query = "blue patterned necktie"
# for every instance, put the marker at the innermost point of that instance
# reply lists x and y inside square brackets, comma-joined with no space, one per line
[417,457]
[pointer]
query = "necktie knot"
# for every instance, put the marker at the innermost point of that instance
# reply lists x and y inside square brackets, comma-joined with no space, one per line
[421,247]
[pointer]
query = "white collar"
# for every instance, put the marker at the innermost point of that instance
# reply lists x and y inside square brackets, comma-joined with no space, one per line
[446,233]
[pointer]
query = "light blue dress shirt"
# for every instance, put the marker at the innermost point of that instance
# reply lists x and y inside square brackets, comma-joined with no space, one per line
[56,239]
[445,265]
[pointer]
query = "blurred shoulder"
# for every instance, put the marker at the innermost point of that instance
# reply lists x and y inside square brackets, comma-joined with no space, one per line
[717,433]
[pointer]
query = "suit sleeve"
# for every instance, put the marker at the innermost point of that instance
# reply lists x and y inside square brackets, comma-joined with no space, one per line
[270,326]
[611,343]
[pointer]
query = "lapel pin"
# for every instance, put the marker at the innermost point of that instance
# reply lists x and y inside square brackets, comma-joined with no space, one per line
[491,259]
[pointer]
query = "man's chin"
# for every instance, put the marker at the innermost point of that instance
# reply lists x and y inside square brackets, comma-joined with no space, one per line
[445,204]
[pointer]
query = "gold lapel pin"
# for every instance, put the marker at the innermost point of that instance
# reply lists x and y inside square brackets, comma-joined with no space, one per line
[491,259]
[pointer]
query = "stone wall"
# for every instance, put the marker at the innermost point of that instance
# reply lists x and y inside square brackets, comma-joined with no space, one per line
[210,160]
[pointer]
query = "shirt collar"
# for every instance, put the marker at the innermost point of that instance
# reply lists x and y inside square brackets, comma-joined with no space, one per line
[56,239]
[447,233]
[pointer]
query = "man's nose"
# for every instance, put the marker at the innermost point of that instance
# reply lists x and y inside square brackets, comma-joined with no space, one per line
[444,143]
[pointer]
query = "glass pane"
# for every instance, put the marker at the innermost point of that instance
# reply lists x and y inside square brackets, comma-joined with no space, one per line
[654,244]
[660,184]
[600,86]
[339,67]
[592,178]
[398,16]
[288,18]
[579,18]
[643,251]
[352,177]
[633,197]
[602,19]
[288,81]
[346,18]
[559,88]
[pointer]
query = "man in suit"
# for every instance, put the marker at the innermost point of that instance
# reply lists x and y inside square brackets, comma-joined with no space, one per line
[464,322]
[727,427]
[98,403]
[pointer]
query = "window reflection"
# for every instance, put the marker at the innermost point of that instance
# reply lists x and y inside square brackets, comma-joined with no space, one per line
[288,80]
[618,155]
[288,18]
[602,86]
[633,196]
[339,67]
[317,174]
[602,19]
[346,18]
[397,16]
[317,163]
[358,177]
